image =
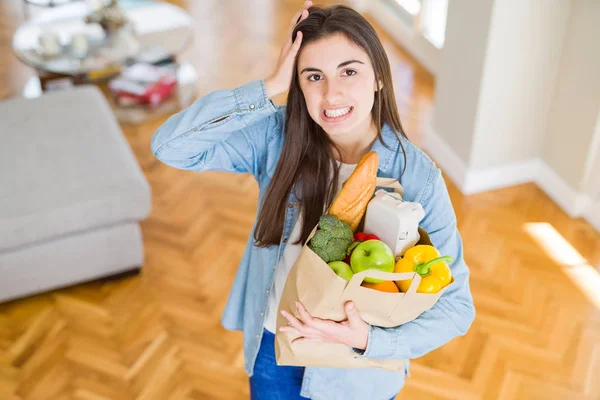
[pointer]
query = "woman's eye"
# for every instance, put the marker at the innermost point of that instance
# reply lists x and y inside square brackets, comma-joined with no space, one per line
[314,78]
[350,72]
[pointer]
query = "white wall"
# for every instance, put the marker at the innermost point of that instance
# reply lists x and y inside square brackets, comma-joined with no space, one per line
[591,185]
[521,65]
[496,81]
[591,180]
[518,98]
[576,101]
[460,72]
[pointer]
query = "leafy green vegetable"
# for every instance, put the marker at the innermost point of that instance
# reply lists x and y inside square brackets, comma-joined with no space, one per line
[332,238]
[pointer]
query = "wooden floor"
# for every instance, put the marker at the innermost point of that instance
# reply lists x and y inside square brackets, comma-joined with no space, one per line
[157,335]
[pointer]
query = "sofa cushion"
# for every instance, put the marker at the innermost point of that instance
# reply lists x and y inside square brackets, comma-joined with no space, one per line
[65,167]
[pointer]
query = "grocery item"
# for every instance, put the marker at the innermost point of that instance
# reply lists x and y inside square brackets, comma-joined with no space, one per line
[351,202]
[332,239]
[426,261]
[394,221]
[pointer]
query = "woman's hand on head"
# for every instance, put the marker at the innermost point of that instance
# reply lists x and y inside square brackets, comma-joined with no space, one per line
[353,332]
[280,79]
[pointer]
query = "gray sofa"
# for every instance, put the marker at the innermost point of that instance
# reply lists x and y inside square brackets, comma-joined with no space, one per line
[71,193]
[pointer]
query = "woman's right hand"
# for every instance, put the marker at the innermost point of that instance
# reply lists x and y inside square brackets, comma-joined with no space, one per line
[280,79]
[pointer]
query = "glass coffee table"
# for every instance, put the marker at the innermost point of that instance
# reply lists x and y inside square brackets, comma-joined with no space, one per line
[156,32]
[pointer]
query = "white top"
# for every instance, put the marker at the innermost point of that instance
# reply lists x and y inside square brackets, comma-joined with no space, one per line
[289,256]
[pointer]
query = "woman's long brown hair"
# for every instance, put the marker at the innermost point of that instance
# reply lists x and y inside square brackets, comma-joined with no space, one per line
[307,158]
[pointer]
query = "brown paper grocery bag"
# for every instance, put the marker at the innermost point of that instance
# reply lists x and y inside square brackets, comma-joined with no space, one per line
[312,282]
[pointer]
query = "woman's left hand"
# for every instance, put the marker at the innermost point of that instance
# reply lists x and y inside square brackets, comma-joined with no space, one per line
[353,332]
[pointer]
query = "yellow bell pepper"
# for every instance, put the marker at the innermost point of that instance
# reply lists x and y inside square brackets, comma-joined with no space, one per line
[426,261]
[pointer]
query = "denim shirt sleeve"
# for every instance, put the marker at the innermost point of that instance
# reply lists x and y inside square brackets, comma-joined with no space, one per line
[226,130]
[454,312]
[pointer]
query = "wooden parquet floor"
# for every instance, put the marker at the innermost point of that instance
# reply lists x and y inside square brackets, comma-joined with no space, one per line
[157,335]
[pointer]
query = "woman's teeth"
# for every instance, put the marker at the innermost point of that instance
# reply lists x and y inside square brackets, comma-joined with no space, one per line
[337,113]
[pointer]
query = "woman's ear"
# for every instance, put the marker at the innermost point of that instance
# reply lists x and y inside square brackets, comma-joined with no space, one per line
[380,86]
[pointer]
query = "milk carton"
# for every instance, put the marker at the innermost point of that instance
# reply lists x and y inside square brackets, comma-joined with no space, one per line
[394,221]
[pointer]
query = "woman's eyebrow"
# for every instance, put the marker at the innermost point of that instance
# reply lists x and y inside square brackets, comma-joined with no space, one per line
[349,62]
[345,63]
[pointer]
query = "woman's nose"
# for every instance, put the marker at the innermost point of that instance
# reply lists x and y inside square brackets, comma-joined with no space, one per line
[333,92]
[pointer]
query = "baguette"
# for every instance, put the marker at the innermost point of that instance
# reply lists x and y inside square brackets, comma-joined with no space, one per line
[351,202]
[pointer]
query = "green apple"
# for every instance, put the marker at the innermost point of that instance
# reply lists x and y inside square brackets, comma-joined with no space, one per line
[372,254]
[341,269]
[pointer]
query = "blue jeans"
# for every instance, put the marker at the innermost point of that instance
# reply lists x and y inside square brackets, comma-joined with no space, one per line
[271,381]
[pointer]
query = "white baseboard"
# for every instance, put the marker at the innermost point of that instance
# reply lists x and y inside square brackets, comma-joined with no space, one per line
[504,176]
[445,156]
[470,182]
[592,215]
[574,203]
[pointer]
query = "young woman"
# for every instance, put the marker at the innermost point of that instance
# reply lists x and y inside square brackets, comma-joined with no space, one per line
[340,106]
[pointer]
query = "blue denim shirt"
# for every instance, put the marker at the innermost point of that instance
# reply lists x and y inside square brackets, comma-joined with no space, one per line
[242,131]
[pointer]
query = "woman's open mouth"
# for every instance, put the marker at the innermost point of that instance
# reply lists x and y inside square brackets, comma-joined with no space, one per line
[333,115]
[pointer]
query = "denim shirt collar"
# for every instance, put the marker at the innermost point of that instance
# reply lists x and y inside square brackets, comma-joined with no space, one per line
[386,155]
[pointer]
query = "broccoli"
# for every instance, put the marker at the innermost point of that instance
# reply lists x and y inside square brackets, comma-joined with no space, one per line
[332,238]
[327,221]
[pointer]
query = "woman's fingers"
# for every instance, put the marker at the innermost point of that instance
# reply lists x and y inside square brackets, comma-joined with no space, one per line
[302,336]
[294,322]
[296,45]
[303,313]
[303,16]
[299,16]
[306,339]
[296,17]
[291,49]
[305,6]
[279,81]
[307,327]
[289,329]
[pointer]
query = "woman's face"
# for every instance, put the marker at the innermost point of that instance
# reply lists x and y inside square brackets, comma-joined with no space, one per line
[338,83]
